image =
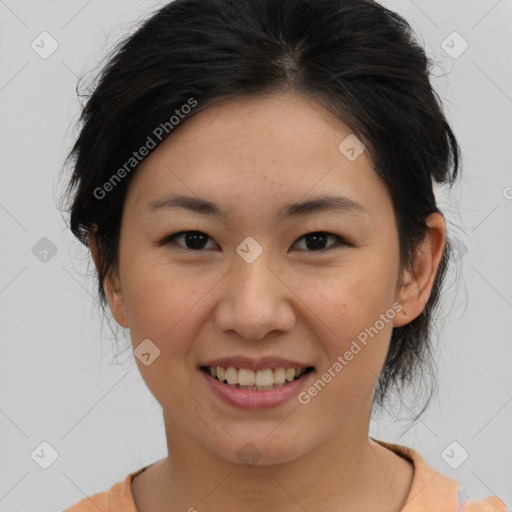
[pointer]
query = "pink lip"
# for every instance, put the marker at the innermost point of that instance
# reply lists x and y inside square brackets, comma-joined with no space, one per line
[255,364]
[253,399]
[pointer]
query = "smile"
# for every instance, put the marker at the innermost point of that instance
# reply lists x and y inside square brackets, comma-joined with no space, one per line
[260,380]
[249,389]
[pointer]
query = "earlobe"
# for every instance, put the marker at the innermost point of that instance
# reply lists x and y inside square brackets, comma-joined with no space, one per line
[114,293]
[416,284]
[111,286]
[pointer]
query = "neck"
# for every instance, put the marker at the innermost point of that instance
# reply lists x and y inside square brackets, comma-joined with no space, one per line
[347,472]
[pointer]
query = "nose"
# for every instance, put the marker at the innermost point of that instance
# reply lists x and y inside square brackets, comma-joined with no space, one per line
[255,300]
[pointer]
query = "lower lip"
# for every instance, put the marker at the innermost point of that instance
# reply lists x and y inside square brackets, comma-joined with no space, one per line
[254,399]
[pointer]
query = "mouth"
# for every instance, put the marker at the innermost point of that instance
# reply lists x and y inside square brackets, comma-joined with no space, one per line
[266,379]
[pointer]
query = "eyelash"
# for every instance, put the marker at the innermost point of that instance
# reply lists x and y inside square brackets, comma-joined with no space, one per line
[341,241]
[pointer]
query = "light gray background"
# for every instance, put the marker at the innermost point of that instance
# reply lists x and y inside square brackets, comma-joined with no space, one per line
[60,380]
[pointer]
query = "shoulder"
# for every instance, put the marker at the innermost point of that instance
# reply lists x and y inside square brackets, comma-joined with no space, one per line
[99,501]
[118,497]
[432,490]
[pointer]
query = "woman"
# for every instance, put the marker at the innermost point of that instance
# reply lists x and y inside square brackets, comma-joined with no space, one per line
[254,179]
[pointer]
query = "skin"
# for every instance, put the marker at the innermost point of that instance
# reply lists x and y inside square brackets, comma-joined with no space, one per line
[252,156]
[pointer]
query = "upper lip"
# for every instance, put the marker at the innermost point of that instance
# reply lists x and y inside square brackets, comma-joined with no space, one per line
[255,364]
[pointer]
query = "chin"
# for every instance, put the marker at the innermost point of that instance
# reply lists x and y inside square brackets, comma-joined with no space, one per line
[261,450]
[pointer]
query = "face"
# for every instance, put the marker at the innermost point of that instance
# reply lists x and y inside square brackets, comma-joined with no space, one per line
[259,285]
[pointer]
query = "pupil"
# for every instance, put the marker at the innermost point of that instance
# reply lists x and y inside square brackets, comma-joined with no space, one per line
[316,237]
[195,237]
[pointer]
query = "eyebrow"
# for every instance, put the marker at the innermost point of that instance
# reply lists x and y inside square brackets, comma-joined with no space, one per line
[317,204]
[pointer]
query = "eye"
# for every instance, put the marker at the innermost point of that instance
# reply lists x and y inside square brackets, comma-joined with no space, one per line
[316,240]
[194,240]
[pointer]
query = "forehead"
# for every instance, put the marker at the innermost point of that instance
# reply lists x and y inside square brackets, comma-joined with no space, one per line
[271,126]
[256,151]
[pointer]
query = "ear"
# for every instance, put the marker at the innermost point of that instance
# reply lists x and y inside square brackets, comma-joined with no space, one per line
[416,283]
[111,285]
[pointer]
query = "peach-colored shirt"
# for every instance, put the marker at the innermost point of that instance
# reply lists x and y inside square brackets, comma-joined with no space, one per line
[431,491]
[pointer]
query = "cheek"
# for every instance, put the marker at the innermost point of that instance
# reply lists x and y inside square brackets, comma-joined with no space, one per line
[353,308]
[355,355]
[163,306]
[349,299]
[160,303]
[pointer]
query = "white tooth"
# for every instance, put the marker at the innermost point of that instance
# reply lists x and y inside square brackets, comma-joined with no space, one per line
[279,375]
[290,374]
[232,375]
[246,377]
[264,378]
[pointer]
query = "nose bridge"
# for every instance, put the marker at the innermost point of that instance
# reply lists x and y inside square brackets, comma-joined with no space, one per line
[253,278]
[252,262]
[254,301]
